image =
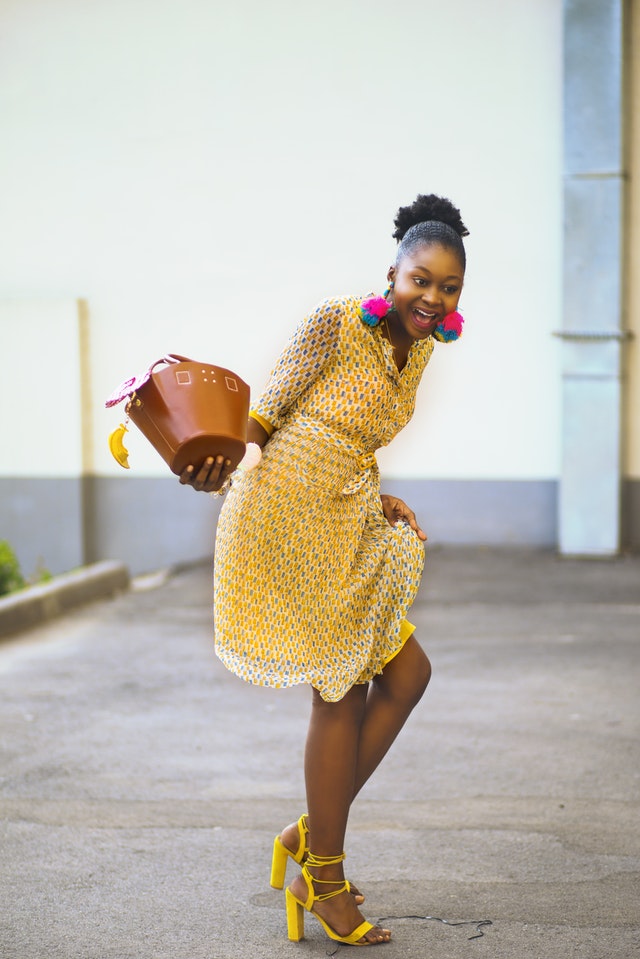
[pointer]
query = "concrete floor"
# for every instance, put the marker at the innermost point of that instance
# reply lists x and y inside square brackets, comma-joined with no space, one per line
[141,784]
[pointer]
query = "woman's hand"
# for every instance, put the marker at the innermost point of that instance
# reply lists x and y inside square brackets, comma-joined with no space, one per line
[211,475]
[216,469]
[396,509]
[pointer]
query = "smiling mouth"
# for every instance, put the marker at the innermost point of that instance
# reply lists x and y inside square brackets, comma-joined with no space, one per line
[423,319]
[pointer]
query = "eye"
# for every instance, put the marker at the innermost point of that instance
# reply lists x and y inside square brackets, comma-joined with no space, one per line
[419,281]
[450,290]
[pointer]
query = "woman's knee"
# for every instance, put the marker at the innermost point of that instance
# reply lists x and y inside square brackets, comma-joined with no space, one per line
[421,673]
[407,676]
[350,708]
[424,673]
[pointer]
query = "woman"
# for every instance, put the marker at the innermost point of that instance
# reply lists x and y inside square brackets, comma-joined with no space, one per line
[315,570]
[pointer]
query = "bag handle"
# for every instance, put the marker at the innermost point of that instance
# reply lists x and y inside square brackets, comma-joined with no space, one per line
[136,382]
[170,358]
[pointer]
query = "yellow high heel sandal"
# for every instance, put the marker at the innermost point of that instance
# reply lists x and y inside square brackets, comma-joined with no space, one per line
[296,907]
[281,853]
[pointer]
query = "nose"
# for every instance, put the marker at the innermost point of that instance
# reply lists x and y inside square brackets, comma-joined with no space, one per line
[431,296]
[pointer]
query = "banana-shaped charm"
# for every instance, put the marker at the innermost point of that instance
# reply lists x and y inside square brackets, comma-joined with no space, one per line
[116,445]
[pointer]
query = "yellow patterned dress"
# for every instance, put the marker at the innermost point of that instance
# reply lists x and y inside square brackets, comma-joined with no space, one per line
[312,584]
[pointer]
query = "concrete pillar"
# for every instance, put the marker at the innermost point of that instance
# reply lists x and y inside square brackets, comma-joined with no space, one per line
[589,505]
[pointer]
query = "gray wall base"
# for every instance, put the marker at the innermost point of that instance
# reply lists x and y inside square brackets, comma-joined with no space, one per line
[148,523]
[482,512]
[42,520]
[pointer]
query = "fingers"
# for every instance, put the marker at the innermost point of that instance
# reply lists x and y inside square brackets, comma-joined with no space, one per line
[421,533]
[396,510]
[410,517]
[209,477]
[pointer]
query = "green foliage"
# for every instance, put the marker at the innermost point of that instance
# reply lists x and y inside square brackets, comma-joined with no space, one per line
[10,576]
[41,575]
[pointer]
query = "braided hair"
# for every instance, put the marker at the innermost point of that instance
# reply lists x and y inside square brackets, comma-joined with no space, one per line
[430,219]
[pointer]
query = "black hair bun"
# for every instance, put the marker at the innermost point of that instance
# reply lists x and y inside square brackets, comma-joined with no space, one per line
[428,207]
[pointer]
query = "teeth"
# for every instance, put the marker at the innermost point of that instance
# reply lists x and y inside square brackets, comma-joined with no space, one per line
[429,316]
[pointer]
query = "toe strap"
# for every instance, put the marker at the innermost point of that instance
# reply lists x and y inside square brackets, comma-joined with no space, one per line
[358,933]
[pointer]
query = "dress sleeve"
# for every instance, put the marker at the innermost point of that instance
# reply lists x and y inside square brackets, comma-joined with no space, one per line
[303,358]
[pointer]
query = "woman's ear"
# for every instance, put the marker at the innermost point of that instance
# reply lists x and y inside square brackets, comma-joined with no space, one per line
[391,275]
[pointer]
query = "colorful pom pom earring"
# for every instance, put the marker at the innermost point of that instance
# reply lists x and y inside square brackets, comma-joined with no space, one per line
[374,310]
[450,328]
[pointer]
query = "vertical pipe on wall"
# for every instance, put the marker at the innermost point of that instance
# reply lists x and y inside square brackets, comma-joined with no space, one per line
[87,480]
[594,178]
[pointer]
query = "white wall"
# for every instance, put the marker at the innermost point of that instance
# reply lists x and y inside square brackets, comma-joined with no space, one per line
[203,172]
[41,388]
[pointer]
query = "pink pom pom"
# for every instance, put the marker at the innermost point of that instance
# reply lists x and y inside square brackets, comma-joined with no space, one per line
[453,321]
[377,306]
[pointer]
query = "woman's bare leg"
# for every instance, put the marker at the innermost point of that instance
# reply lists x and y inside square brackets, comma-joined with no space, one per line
[391,698]
[331,757]
[346,743]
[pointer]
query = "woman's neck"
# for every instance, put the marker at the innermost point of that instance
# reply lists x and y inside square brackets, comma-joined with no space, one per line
[400,342]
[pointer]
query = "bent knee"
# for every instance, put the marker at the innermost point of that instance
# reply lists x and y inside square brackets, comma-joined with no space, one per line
[426,672]
[422,676]
[407,676]
[418,674]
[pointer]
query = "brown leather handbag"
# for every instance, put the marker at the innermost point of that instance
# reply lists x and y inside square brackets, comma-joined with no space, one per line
[187,410]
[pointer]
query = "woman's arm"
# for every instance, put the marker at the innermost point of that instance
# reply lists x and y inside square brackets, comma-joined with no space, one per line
[307,353]
[303,358]
[256,433]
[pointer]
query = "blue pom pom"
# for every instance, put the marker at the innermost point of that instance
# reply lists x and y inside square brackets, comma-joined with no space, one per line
[369,318]
[444,336]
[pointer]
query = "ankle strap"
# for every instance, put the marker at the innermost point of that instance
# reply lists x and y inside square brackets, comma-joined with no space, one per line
[319,861]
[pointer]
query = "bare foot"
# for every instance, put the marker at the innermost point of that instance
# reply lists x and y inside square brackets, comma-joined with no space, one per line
[339,912]
[290,837]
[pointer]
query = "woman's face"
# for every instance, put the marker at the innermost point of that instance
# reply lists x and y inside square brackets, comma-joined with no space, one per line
[426,286]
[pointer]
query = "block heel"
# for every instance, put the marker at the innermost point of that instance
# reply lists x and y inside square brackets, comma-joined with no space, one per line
[295,917]
[279,863]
